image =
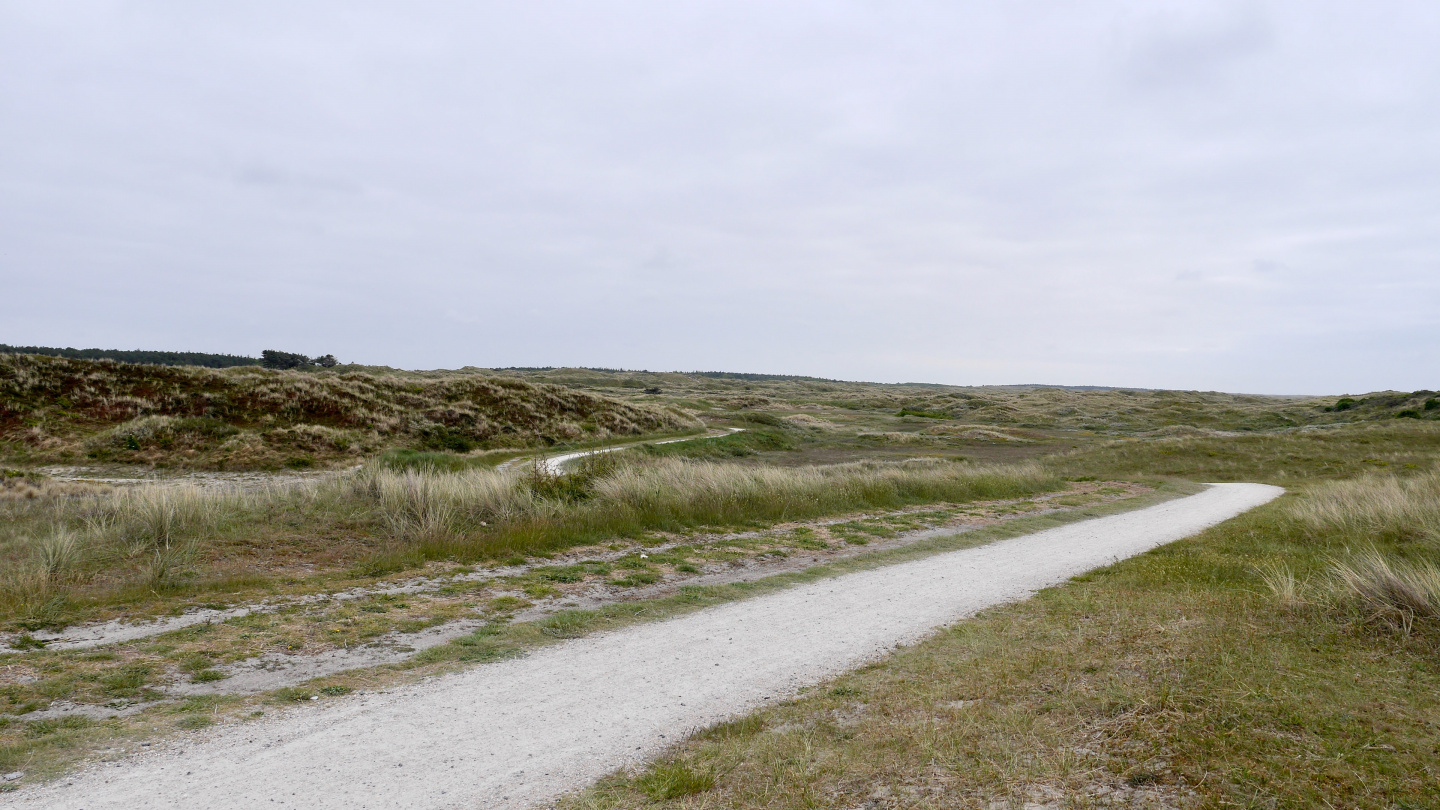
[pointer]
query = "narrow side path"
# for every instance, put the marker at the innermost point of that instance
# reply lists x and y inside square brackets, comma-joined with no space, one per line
[118,631]
[516,733]
[555,465]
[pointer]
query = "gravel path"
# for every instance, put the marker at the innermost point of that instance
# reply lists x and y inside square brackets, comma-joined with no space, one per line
[520,732]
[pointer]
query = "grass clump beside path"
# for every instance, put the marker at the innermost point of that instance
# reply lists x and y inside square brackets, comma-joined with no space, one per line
[1389,571]
[66,558]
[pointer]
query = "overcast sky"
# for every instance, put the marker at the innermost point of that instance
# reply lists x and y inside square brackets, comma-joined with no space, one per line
[1212,195]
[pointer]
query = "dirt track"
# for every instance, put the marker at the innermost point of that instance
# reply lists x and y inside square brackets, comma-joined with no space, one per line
[520,732]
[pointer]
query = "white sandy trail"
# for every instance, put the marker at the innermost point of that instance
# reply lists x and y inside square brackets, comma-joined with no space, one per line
[556,464]
[80,637]
[515,733]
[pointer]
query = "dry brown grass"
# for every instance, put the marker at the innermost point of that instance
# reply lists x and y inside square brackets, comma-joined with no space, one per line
[1373,507]
[1390,590]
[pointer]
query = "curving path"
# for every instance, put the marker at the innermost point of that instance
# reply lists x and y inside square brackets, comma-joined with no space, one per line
[117,631]
[520,732]
[556,464]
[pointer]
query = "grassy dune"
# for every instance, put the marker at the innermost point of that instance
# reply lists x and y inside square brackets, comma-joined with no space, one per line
[1285,457]
[1097,410]
[56,409]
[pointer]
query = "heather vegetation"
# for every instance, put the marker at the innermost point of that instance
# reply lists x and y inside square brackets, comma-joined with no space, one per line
[1107,411]
[80,411]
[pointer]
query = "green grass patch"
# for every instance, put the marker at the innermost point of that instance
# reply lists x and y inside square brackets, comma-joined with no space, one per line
[429,461]
[673,780]
[1284,458]
[921,413]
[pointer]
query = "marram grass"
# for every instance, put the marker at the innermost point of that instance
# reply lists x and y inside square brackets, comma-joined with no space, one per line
[64,554]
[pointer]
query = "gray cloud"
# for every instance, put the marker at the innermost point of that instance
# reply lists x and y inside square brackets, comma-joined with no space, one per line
[1180,47]
[1181,194]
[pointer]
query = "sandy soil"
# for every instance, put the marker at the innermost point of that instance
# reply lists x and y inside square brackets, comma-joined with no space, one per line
[520,732]
[116,475]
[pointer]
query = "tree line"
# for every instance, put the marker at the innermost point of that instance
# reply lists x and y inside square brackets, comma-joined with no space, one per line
[153,358]
[269,358]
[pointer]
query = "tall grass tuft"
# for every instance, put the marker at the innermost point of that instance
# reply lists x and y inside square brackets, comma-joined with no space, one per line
[1283,585]
[57,555]
[676,492]
[1390,590]
[1394,523]
[151,518]
[29,595]
[1376,508]
[673,780]
[416,504]
[158,530]
[157,538]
